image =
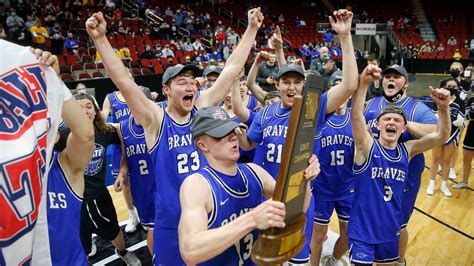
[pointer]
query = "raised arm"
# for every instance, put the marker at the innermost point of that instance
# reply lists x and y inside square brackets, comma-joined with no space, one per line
[136,100]
[277,43]
[419,130]
[197,243]
[243,113]
[441,97]
[80,142]
[256,90]
[341,23]
[362,138]
[216,93]
[106,108]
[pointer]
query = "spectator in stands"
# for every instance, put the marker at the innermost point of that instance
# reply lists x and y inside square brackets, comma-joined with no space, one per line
[439,48]
[189,22]
[57,41]
[375,89]
[167,52]
[328,36]
[267,73]
[297,21]
[457,55]
[466,44]
[124,53]
[50,21]
[169,12]
[71,43]
[39,34]
[452,41]
[426,47]
[30,22]
[147,53]
[324,65]
[197,45]
[302,22]
[220,38]
[471,44]
[227,50]
[14,22]
[188,46]
[117,15]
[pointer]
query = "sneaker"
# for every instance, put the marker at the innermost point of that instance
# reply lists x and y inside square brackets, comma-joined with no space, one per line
[446,191]
[440,168]
[93,248]
[462,184]
[397,263]
[330,261]
[452,173]
[430,189]
[132,224]
[129,258]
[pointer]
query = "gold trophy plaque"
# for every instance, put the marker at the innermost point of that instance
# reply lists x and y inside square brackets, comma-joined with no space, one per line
[277,245]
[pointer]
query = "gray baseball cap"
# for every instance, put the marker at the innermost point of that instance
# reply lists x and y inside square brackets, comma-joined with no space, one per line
[212,69]
[175,70]
[336,76]
[396,68]
[287,68]
[213,121]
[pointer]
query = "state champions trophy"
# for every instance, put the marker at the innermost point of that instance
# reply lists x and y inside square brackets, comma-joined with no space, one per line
[277,245]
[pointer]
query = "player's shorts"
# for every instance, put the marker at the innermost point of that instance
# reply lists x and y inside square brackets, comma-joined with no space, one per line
[98,216]
[411,188]
[116,159]
[143,193]
[468,143]
[166,247]
[453,139]
[304,255]
[365,253]
[323,209]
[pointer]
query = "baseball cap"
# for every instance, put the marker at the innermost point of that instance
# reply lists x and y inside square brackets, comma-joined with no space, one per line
[213,121]
[287,68]
[396,68]
[173,71]
[212,69]
[336,76]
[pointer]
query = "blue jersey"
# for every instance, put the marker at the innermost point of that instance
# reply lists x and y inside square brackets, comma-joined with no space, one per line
[268,131]
[252,104]
[175,157]
[415,111]
[335,147]
[246,156]
[376,213]
[233,196]
[141,170]
[64,210]
[118,109]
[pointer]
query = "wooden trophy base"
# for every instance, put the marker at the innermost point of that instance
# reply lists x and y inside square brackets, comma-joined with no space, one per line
[275,248]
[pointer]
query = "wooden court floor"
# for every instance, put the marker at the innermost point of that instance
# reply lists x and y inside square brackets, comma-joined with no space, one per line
[430,241]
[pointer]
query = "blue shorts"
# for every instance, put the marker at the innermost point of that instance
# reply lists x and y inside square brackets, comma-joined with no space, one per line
[166,247]
[361,252]
[323,209]
[453,139]
[116,159]
[303,256]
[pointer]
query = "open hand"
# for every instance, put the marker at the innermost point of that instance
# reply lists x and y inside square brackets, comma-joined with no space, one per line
[341,21]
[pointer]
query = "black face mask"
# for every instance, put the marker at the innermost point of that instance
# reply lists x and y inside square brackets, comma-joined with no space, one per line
[455,73]
[394,98]
[453,91]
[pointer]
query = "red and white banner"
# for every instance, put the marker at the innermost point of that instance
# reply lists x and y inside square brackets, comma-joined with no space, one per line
[365,29]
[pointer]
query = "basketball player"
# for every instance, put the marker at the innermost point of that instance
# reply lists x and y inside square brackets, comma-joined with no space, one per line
[380,168]
[66,187]
[167,132]
[421,121]
[222,202]
[115,104]
[140,172]
[31,98]
[334,187]
[270,124]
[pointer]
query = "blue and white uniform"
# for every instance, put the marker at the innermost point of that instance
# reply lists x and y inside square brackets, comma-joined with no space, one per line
[174,157]
[457,107]
[334,186]
[233,196]
[268,131]
[374,227]
[141,170]
[415,111]
[63,210]
[119,112]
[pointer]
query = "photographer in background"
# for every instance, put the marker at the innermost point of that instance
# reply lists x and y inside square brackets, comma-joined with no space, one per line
[324,65]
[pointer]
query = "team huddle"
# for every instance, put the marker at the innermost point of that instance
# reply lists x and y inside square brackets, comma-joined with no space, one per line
[202,165]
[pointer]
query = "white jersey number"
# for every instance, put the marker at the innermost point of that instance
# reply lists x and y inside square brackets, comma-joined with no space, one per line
[337,157]
[143,167]
[274,152]
[388,193]
[244,247]
[183,165]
